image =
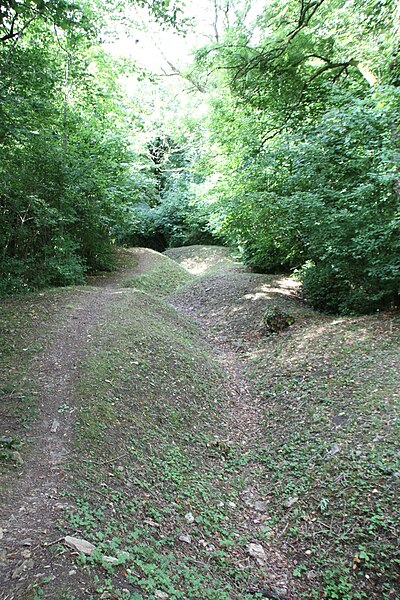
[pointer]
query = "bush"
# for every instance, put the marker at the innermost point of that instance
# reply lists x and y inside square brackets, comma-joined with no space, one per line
[325,193]
[182,219]
[326,288]
[276,320]
[139,227]
[61,265]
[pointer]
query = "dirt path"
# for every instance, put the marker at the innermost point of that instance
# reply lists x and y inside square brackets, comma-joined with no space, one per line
[35,494]
[229,307]
[28,516]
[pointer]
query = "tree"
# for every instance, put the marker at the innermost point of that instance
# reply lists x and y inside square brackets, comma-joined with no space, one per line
[66,143]
[304,138]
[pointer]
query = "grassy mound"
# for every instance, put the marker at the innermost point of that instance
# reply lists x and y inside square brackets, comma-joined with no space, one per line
[330,466]
[154,487]
[157,274]
[160,281]
[324,456]
[202,260]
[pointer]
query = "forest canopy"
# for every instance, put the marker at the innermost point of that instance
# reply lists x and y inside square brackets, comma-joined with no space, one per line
[280,137]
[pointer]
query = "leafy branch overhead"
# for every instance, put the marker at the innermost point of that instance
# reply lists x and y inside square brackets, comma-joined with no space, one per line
[16,16]
[300,48]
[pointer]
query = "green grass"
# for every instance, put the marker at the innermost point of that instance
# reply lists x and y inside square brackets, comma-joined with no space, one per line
[161,281]
[161,275]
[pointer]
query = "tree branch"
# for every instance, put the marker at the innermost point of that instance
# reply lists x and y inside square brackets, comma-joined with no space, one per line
[215,22]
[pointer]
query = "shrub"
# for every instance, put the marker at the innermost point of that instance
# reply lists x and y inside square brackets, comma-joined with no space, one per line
[276,320]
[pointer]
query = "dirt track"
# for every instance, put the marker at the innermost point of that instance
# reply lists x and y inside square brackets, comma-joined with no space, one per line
[29,509]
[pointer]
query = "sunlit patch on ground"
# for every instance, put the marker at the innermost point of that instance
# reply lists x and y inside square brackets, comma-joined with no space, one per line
[200,260]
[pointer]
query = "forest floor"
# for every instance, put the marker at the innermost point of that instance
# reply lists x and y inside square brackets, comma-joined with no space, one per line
[153,415]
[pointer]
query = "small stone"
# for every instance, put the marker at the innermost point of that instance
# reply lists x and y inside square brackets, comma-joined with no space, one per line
[17,457]
[72,572]
[24,566]
[1,533]
[290,502]
[54,426]
[79,545]
[259,506]
[151,523]
[185,537]
[161,595]
[105,595]
[340,419]
[26,553]
[115,560]
[111,560]
[257,552]
[211,548]
[334,450]
[27,542]
[189,517]
[280,592]
[231,504]
[3,557]
[248,496]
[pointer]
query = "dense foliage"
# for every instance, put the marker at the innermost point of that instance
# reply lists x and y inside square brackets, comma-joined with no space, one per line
[72,161]
[304,148]
[322,201]
[288,149]
[175,214]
